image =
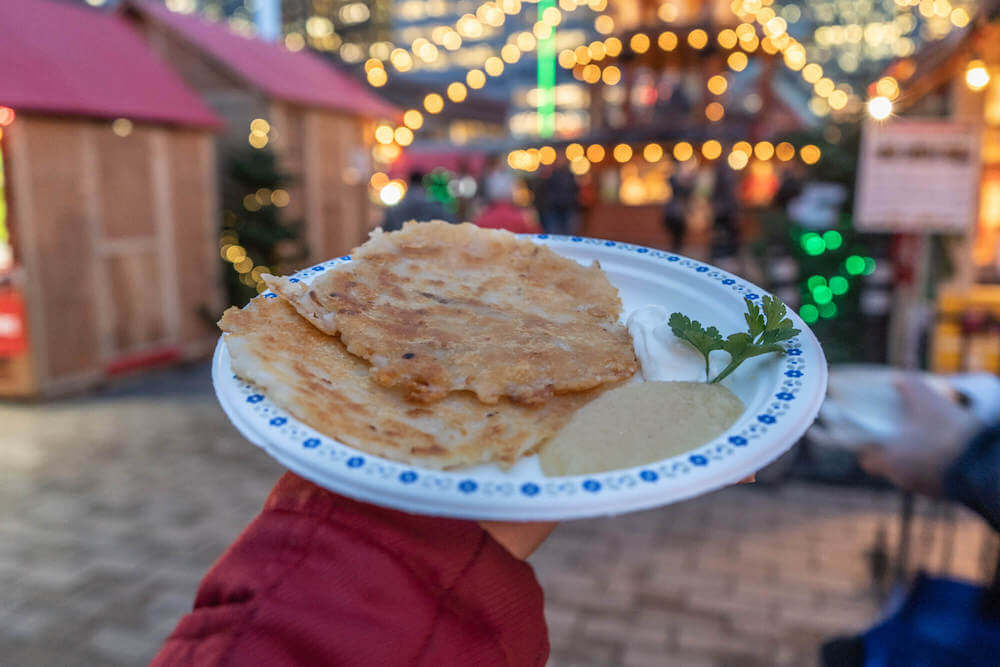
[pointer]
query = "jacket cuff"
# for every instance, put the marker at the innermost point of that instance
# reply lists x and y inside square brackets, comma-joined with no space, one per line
[974,478]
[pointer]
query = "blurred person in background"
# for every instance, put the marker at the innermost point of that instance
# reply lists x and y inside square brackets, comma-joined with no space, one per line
[676,211]
[557,198]
[415,205]
[941,450]
[725,211]
[500,212]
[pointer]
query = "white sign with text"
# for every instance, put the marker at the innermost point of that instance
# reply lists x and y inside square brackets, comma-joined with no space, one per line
[918,176]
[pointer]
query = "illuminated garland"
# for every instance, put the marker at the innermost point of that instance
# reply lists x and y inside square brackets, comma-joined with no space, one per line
[391,139]
[581,159]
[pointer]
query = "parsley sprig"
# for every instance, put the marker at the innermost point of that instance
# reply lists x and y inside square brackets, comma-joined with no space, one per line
[766,327]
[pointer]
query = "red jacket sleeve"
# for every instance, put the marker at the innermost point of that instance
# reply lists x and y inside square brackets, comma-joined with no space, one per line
[318,579]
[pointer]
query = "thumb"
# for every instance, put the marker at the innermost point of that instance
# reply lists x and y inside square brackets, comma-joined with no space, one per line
[916,393]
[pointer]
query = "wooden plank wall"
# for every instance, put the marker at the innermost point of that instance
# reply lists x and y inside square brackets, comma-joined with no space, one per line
[117,239]
[321,149]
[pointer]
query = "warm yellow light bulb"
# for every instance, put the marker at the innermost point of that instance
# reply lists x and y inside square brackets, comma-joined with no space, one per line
[887,86]
[714,112]
[413,119]
[812,73]
[711,149]
[652,152]
[683,151]
[574,152]
[377,77]
[510,53]
[824,87]
[977,76]
[809,153]
[837,100]
[880,107]
[433,103]
[639,43]
[567,59]
[475,79]
[737,61]
[622,152]
[493,66]
[764,150]
[552,16]
[404,136]
[784,151]
[727,38]
[667,41]
[611,75]
[717,84]
[383,134]
[698,38]
[457,91]
[595,152]
[737,160]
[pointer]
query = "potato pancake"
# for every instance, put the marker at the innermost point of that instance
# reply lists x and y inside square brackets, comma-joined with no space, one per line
[438,308]
[312,376]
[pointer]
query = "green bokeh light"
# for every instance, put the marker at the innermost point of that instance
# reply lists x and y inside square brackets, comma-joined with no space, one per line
[833,239]
[869,266]
[828,310]
[815,281]
[855,265]
[822,294]
[809,313]
[813,243]
[839,285]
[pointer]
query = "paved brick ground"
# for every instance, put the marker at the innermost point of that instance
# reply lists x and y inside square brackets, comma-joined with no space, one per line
[113,506]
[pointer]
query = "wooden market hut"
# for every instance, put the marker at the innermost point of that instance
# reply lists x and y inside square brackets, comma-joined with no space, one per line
[109,187]
[322,120]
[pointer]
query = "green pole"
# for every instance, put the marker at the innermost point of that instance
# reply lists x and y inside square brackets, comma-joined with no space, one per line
[546,77]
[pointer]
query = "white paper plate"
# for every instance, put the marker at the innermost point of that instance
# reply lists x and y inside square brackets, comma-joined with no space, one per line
[782,395]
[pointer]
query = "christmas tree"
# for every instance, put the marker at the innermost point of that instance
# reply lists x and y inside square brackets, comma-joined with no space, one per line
[256,239]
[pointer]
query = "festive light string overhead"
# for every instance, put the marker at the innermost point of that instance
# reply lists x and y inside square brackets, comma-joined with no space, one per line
[387,150]
[492,13]
[774,39]
[828,95]
[582,158]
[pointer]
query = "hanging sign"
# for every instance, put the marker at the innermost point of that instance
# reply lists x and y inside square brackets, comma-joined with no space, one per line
[918,176]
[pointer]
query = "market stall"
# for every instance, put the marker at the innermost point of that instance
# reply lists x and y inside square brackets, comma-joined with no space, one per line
[108,207]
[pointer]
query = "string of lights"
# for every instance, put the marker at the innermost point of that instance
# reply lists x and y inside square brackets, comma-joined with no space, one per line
[391,139]
[581,158]
[490,14]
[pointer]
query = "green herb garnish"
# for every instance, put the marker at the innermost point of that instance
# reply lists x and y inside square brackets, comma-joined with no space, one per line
[764,331]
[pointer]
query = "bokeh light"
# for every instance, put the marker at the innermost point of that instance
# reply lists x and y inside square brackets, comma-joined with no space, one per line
[854,265]
[839,285]
[711,149]
[683,151]
[833,239]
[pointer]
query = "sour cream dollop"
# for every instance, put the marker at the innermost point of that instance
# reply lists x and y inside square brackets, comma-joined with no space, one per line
[663,356]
